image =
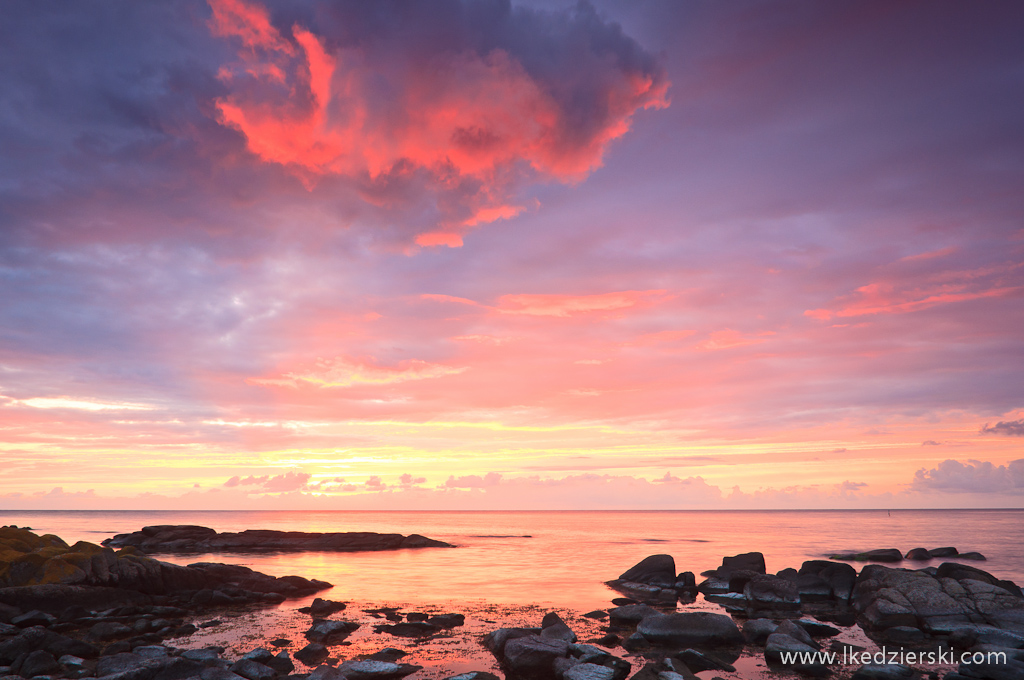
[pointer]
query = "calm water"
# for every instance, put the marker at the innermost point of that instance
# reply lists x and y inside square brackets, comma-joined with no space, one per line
[560,559]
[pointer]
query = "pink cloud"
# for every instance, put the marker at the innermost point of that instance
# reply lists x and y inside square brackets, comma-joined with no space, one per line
[345,372]
[465,119]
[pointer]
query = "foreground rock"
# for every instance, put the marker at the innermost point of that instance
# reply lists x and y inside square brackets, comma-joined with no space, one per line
[550,653]
[187,539]
[691,629]
[654,579]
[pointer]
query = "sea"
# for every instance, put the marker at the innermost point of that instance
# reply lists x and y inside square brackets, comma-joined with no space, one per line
[509,568]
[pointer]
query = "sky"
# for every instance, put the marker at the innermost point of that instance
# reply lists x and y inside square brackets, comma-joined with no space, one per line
[489,255]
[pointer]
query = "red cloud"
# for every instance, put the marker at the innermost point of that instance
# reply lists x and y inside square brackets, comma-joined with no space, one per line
[469,124]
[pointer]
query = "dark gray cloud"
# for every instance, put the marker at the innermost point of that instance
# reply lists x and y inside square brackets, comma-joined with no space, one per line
[1006,428]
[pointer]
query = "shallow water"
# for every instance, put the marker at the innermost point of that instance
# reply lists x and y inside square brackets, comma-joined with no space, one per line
[511,567]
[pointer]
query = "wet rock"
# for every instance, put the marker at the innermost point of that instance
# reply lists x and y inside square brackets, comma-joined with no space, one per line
[635,643]
[589,671]
[554,628]
[447,620]
[33,618]
[817,629]
[772,593]
[656,570]
[977,556]
[321,609]
[756,631]
[943,552]
[312,654]
[388,654]
[412,629]
[417,616]
[281,663]
[533,657]
[690,629]
[325,672]
[196,539]
[119,647]
[202,656]
[495,641]
[794,631]
[369,669]
[698,661]
[281,642]
[218,673]
[252,670]
[330,632]
[883,672]
[598,614]
[474,675]
[631,614]
[38,662]
[779,644]
[108,630]
[956,595]
[918,555]
[752,561]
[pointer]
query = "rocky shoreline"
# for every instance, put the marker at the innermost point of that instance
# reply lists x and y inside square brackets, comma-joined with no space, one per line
[188,539]
[87,611]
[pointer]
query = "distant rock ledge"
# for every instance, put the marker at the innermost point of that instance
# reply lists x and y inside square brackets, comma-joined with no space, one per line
[185,539]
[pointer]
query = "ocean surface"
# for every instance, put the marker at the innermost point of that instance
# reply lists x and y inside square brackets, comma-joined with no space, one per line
[510,567]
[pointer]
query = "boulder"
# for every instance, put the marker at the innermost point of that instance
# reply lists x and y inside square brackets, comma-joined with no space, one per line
[589,671]
[690,629]
[369,669]
[329,632]
[656,570]
[39,662]
[756,631]
[752,561]
[312,654]
[943,552]
[554,628]
[321,609]
[495,641]
[252,670]
[918,555]
[533,657]
[769,592]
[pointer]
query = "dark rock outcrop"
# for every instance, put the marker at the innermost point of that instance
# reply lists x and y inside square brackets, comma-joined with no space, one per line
[183,539]
[955,596]
[877,555]
[548,653]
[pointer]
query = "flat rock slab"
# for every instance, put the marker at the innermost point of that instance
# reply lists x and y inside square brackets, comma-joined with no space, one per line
[691,629]
[174,538]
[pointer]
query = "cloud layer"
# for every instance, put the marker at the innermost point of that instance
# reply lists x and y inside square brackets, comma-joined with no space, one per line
[219,227]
